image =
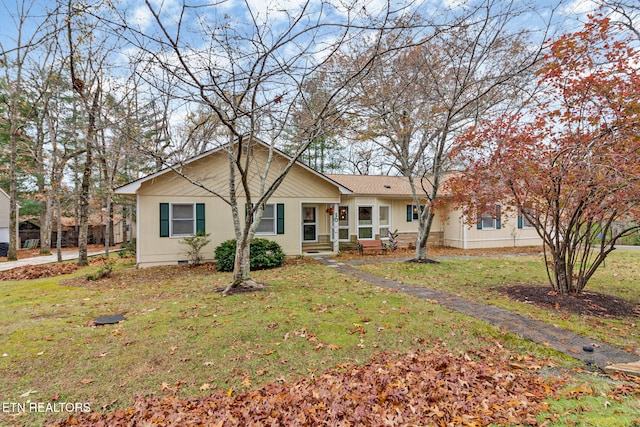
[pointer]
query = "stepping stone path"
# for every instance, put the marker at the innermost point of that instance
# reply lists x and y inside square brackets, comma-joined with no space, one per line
[594,353]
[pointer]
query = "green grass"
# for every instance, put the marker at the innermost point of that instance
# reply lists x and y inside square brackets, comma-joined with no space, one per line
[480,279]
[180,336]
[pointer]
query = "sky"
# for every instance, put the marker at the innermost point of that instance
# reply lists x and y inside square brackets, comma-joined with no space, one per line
[272,10]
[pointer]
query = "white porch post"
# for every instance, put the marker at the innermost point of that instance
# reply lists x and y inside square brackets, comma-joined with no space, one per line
[334,229]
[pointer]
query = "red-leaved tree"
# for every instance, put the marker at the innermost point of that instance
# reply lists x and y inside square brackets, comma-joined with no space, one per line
[570,164]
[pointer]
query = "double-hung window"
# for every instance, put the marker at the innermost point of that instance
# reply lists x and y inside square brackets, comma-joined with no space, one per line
[181,219]
[272,221]
[523,220]
[268,223]
[490,218]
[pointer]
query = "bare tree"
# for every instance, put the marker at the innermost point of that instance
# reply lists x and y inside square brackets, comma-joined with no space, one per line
[249,72]
[15,56]
[419,99]
[89,53]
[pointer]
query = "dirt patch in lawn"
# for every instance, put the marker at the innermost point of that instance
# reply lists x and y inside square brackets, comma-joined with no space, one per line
[586,303]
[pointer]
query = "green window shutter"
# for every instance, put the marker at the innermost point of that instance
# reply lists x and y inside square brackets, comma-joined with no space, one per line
[520,220]
[164,219]
[409,213]
[200,218]
[479,222]
[498,217]
[280,218]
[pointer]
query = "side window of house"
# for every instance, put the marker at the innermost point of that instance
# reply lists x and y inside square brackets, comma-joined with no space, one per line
[181,219]
[523,218]
[490,218]
[272,221]
[413,212]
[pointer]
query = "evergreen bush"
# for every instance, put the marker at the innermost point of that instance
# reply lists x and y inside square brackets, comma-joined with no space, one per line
[264,254]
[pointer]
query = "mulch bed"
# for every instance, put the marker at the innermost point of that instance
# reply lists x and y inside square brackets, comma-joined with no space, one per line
[584,304]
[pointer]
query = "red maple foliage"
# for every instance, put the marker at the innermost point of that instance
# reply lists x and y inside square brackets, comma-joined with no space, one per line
[424,388]
[570,164]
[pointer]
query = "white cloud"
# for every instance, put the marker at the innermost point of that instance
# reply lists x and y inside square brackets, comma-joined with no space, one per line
[142,18]
[579,7]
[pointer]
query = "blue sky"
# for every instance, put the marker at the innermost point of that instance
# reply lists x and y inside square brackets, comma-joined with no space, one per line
[139,15]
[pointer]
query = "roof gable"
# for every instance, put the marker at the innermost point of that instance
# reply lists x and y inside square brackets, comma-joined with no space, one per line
[133,186]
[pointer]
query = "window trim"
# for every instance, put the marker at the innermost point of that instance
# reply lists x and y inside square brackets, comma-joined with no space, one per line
[371,226]
[496,216]
[274,219]
[344,227]
[415,212]
[193,219]
[523,222]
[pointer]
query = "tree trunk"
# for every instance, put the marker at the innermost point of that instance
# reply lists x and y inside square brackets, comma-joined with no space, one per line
[108,226]
[84,211]
[561,272]
[58,227]
[424,229]
[241,278]
[46,222]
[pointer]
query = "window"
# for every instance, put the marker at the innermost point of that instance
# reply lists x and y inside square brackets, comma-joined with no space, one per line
[181,219]
[343,223]
[523,221]
[365,222]
[413,212]
[272,221]
[268,223]
[490,219]
[383,221]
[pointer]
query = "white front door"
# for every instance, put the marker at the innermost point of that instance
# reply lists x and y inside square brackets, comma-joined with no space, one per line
[309,224]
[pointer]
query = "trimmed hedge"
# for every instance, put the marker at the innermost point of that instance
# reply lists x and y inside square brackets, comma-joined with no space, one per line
[264,254]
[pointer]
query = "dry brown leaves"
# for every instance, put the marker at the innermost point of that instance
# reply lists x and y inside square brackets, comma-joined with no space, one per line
[425,388]
[37,271]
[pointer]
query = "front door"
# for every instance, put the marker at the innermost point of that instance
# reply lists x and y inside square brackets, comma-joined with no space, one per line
[309,224]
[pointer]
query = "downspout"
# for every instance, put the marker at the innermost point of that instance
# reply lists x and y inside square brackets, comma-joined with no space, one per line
[464,234]
[138,240]
[334,229]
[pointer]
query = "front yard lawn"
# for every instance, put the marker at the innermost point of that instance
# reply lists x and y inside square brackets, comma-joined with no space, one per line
[491,280]
[182,340]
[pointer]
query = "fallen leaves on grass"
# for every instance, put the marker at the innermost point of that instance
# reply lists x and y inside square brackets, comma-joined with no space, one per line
[30,272]
[424,388]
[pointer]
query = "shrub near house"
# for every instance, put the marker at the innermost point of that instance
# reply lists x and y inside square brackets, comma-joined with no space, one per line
[264,254]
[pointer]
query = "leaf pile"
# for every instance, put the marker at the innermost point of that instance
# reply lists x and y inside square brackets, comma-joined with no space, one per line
[424,388]
[30,272]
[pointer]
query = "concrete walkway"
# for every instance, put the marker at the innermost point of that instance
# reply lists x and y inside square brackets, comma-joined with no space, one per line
[45,259]
[571,344]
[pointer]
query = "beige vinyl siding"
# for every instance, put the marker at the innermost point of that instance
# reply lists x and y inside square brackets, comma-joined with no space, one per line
[300,186]
[459,234]
[4,210]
